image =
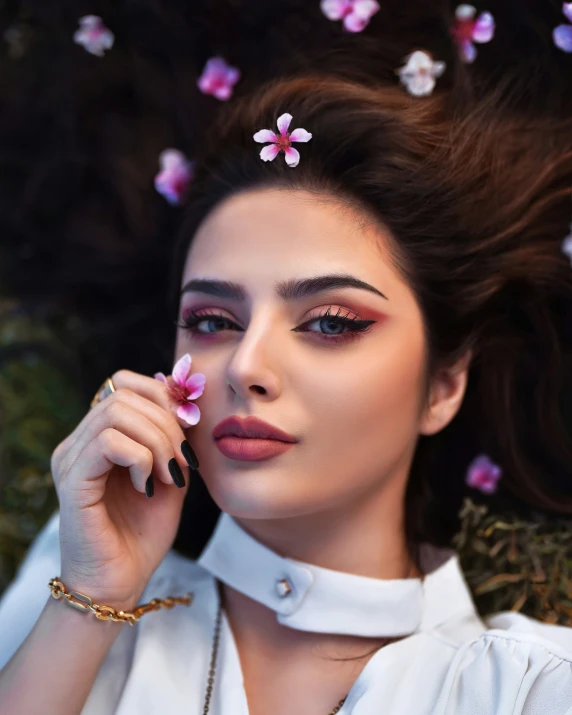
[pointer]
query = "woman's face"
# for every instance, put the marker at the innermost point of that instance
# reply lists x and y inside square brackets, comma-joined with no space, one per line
[356,402]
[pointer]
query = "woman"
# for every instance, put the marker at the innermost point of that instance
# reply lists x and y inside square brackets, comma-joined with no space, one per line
[362,296]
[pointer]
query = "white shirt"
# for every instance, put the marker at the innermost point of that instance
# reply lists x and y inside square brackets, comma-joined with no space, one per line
[452,662]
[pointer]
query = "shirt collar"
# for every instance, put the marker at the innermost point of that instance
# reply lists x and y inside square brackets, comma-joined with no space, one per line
[311,598]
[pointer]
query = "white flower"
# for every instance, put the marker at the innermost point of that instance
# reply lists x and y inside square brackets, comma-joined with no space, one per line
[419,73]
[93,35]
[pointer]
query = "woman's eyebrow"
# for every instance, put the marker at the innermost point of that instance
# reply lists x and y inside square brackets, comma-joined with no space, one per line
[289,290]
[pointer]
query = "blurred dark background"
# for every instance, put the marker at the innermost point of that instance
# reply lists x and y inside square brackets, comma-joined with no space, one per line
[85,239]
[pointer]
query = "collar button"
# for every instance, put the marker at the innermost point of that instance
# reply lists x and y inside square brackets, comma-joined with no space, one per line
[283,587]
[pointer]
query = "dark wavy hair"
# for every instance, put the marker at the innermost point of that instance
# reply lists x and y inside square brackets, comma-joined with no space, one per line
[477,199]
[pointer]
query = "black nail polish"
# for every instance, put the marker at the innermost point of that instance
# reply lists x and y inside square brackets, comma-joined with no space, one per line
[189,455]
[149,487]
[176,473]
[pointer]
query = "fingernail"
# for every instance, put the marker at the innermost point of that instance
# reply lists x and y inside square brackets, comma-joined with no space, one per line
[189,455]
[176,473]
[149,487]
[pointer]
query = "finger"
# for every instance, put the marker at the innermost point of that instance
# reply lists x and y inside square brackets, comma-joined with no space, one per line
[66,452]
[118,414]
[88,475]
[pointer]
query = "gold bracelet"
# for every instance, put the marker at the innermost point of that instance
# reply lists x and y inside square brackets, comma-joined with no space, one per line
[108,613]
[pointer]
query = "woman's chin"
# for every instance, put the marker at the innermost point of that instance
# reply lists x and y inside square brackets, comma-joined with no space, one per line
[251,495]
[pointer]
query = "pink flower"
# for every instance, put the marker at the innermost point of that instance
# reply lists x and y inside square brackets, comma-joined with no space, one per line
[356,14]
[93,35]
[218,78]
[562,34]
[282,141]
[483,474]
[183,387]
[469,29]
[419,73]
[567,245]
[175,175]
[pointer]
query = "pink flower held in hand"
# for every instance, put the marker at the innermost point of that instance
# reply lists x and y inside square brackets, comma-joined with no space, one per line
[175,175]
[469,29]
[218,78]
[93,35]
[483,474]
[282,141]
[419,73]
[356,14]
[562,34]
[183,387]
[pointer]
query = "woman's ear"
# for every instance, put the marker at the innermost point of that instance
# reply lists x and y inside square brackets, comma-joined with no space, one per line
[446,392]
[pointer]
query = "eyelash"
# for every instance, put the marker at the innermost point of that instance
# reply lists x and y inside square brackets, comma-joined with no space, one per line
[356,327]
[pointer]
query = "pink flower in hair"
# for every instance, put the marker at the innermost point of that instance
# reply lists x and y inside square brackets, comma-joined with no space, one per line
[483,474]
[356,14]
[218,78]
[182,387]
[282,141]
[175,175]
[562,34]
[468,29]
[93,35]
[419,73]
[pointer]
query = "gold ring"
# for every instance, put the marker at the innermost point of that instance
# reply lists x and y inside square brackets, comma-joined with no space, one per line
[104,391]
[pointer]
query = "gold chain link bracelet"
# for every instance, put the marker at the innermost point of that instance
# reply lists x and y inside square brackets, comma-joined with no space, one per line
[108,613]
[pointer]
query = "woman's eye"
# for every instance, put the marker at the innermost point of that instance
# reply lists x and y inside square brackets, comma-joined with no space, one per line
[331,328]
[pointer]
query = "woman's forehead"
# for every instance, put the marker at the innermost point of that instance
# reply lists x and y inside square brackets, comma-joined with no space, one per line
[297,227]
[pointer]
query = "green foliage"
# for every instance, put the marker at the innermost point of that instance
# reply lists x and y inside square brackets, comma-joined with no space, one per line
[38,408]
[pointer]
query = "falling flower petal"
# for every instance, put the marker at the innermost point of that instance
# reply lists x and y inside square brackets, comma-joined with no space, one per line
[218,78]
[336,9]
[562,36]
[93,35]
[468,29]
[175,175]
[419,73]
[183,387]
[468,51]
[18,38]
[355,14]
[355,23]
[567,10]
[282,141]
[483,474]
[484,28]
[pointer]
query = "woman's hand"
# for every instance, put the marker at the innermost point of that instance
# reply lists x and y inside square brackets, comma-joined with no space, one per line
[112,536]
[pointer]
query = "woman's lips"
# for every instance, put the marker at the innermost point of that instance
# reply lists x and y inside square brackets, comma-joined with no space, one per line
[250,448]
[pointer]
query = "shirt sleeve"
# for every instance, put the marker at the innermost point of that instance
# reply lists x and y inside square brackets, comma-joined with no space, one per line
[521,673]
[25,597]
[24,600]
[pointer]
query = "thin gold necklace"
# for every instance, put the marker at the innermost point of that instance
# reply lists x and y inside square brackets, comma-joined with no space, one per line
[214,650]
